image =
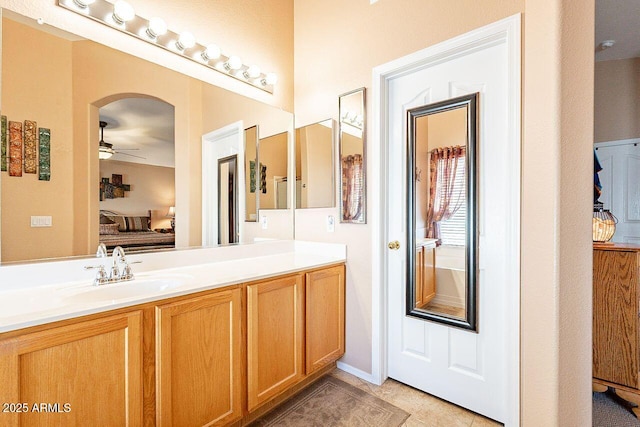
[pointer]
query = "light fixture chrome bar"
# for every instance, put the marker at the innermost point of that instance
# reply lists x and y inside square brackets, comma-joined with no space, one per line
[102,11]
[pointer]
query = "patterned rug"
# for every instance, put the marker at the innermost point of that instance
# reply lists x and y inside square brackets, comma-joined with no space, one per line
[331,402]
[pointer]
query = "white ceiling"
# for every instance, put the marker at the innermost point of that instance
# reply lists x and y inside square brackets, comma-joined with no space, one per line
[618,20]
[141,127]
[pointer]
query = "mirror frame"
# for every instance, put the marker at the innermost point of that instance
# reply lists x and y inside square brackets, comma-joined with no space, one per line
[471,239]
[363,217]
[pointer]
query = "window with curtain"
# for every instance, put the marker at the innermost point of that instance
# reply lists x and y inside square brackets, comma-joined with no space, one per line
[447,195]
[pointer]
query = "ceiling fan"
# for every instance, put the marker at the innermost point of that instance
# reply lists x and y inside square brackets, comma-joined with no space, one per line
[106,150]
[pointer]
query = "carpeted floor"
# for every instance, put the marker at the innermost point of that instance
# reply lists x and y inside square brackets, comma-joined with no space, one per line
[332,402]
[611,411]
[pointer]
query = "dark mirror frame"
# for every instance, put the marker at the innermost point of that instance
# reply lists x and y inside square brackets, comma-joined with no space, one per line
[471,242]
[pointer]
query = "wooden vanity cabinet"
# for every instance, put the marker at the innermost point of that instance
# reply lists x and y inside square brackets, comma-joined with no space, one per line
[324,319]
[68,375]
[198,368]
[616,321]
[275,340]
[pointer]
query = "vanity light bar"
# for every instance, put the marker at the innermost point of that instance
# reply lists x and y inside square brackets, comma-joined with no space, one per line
[184,44]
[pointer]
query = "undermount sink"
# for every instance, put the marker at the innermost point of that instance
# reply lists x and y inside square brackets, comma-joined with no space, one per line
[129,289]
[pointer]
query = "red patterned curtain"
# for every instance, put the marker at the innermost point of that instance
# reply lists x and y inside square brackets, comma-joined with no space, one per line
[443,202]
[352,183]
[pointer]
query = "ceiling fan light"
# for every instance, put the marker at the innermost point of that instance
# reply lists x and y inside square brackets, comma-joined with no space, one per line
[123,12]
[157,27]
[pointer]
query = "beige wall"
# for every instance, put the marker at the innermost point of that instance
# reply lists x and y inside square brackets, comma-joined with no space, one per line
[152,188]
[250,145]
[260,35]
[617,91]
[557,136]
[26,97]
[315,145]
[383,31]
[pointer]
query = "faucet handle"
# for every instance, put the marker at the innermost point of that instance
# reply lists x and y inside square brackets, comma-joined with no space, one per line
[127,273]
[101,275]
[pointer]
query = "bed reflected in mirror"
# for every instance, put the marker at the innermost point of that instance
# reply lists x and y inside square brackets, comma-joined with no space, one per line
[442,232]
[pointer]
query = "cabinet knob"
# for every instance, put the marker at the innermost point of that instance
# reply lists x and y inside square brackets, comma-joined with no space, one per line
[394,246]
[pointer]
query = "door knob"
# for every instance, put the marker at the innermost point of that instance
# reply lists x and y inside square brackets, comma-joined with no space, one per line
[394,246]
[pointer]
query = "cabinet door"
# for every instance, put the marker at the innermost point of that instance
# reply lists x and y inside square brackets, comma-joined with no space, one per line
[87,373]
[615,317]
[324,317]
[199,360]
[275,320]
[428,275]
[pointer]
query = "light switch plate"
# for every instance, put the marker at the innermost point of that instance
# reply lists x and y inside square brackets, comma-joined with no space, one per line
[331,224]
[263,221]
[41,221]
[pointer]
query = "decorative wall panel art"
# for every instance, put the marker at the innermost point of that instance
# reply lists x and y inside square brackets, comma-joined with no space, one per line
[30,147]
[15,149]
[114,189]
[3,143]
[45,154]
[27,148]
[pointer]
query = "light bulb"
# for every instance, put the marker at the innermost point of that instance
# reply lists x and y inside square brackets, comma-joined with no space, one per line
[123,12]
[212,51]
[233,63]
[83,3]
[252,72]
[270,79]
[157,27]
[185,41]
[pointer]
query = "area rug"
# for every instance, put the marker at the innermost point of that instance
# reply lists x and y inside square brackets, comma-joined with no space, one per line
[611,411]
[331,402]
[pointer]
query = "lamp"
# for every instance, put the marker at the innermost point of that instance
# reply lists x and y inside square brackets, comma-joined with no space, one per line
[172,214]
[604,224]
[122,17]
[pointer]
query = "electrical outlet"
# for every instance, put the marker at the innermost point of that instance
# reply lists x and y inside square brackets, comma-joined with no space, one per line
[263,221]
[331,224]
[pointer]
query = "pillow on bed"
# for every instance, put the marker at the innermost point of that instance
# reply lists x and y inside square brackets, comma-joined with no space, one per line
[137,223]
[118,219]
[106,220]
[109,229]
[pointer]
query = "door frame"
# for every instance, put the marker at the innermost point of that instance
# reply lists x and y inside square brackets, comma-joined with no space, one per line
[217,144]
[507,31]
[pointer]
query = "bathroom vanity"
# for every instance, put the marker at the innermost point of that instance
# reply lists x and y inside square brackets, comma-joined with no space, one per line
[217,338]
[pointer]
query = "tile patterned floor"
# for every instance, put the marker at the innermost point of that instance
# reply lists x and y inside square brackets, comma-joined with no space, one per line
[425,410]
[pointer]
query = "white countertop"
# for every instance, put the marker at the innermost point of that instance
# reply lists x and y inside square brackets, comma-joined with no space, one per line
[34,294]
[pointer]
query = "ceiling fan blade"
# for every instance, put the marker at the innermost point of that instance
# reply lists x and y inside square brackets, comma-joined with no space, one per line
[126,149]
[132,155]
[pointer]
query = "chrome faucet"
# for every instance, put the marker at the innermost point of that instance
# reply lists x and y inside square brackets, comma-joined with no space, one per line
[115,275]
[102,251]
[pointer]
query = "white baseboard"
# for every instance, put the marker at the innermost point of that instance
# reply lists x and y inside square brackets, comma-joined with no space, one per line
[358,373]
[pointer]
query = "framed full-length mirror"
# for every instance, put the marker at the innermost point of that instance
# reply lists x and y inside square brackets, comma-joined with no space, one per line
[250,173]
[442,231]
[352,131]
[272,172]
[314,165]
[62,82]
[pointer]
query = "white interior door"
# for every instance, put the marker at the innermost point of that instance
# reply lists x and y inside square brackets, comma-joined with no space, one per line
[473,370]
[620,179]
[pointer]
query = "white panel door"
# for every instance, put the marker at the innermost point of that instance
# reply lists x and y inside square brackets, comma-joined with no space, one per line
[467,368]
[620,179]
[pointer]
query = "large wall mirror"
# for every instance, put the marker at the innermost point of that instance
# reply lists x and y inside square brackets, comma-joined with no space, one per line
[68,84]
[353,204]
[314,165]
[442,234]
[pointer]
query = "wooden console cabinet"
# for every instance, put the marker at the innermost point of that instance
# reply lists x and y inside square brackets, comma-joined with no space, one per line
[217,357]
[616,321]
[425,275]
